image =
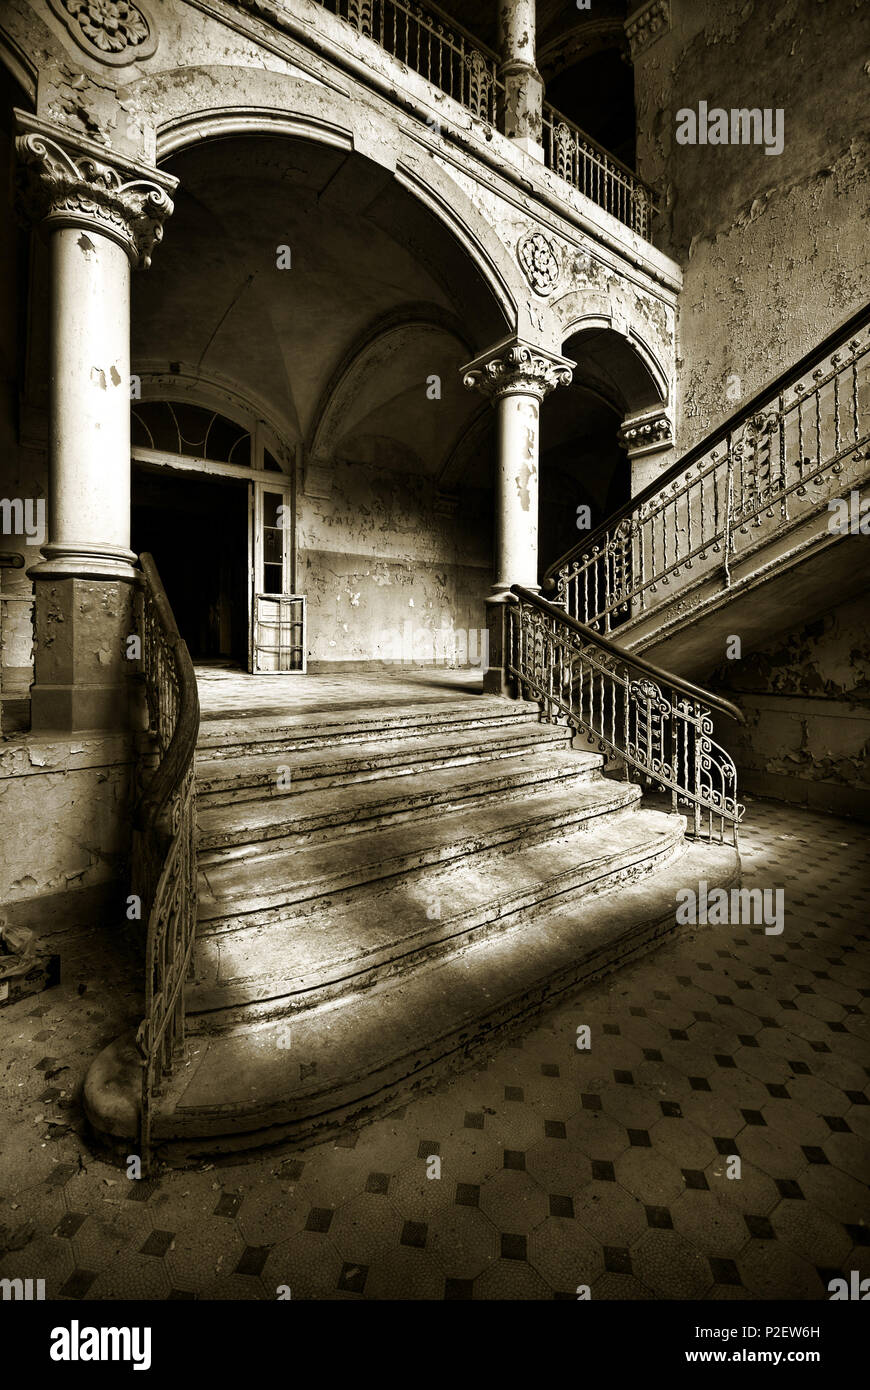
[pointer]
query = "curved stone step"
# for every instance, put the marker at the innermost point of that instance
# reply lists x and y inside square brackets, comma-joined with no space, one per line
[223,780]
[277,730]
[276,823]
[260,884]
[279,962]
[360,1054]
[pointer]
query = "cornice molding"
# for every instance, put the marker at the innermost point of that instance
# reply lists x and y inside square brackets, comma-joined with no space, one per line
[646,25]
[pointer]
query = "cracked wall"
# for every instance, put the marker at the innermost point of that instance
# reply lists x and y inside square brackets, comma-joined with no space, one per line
[385,550]
[773,247]
[806,697]
[64,806]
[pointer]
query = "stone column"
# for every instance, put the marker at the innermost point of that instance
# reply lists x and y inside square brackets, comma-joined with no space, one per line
[524,87]
[103,215]
[516,377]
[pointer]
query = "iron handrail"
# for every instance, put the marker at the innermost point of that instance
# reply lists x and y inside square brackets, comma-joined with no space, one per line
[638,663]
[164,841]
[716,436]
[651,721]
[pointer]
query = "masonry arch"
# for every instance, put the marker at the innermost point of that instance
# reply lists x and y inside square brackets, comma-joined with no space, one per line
[375,294]
[280,105]
[585,469]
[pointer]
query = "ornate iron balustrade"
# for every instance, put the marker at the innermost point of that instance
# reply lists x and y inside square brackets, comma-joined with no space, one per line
[164,848]
[434,45]
[772,465]
[656,723]
[577,158]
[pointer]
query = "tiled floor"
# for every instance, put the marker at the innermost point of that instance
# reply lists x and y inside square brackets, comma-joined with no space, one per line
[558,1167]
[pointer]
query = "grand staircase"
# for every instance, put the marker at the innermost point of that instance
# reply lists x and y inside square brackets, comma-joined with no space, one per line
[344,904]
[384,892]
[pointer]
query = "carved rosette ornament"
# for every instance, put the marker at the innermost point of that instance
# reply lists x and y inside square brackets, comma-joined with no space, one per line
[111,31]
[539,260]
[517,368]
[62,182]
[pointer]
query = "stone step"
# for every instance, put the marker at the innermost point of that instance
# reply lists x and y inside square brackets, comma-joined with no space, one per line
[262,965]
[358,1055]
[222,780]
[275,823]
[262,883]
[277,731]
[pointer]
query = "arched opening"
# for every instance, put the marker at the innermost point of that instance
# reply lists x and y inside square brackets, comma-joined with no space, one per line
[311,285]
[585,470]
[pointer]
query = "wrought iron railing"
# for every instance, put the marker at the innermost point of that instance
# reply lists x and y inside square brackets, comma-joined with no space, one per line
[434,45]
[654,722]
[164,849]
[775,463]
[577,158]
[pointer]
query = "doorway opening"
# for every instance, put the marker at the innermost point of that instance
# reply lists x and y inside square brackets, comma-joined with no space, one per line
[197,530]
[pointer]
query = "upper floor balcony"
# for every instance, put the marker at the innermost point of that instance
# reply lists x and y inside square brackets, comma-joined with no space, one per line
[502,91]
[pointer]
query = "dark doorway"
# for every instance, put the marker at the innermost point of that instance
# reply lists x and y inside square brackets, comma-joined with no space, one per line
[197,530]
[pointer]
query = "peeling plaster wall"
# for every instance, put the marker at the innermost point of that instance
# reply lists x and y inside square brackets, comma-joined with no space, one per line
[381,552]
[64,808]
[773,247]
[807,703]
[23,467]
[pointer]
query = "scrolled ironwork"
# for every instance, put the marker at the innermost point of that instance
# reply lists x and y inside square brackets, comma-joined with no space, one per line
[775,463]
[657,724]
[164,840]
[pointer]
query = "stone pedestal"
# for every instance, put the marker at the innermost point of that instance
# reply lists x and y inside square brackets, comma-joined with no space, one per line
[102,215]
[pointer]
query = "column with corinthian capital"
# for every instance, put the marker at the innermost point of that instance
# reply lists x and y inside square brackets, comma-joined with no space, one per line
[103,215]
[516,377]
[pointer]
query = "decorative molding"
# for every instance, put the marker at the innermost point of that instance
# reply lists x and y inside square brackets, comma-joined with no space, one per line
[110,31]
[515,367]
[648,24]
[646,434]
[539,260]
[66,181]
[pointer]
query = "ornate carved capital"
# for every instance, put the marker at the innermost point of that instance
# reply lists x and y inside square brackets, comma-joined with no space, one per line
[645,434]
[517,368]
[67,181]
[647,25]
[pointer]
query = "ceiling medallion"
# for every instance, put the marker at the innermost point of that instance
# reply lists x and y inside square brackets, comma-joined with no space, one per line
[110,31]
[540,262]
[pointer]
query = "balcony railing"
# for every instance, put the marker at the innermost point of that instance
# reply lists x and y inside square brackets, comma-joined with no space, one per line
[434,45]
[796,446]
[575,157]
[655,723]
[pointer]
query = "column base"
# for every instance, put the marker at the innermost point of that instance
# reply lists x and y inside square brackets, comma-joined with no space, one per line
[85,562]
[497,679]
[83,671]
